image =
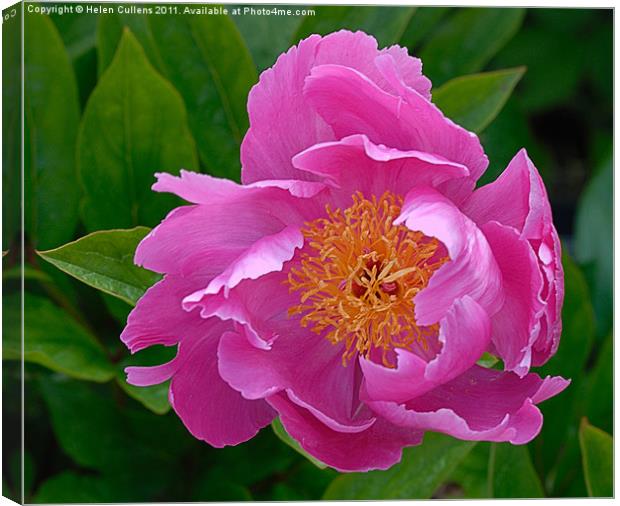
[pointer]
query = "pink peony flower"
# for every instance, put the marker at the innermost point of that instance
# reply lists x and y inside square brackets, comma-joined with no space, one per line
[352,282]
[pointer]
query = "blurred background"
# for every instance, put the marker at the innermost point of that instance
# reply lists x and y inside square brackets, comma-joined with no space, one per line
[90,437]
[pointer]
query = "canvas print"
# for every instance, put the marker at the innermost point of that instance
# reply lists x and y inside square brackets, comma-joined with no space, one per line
[300,252]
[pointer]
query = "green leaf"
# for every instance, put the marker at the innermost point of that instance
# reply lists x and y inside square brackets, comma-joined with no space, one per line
[118,486]
[474,101]
[597,449]
[511,473]
[25,461]
[238,463]
[104,260]
[280,431]
[553,445]
[467,40]
[594,240]
[386,24]
[487,360]
[420,25]
[153,397]
[304,482]
[494,470]
[134,125]
[567,20]
[52,339]
[12,128]
[422,469]
[267,36]
[577,324]
[599,395]
[118,308]
[78,32]
[551,56]
[215,86]
[29,273]
[600,70]
[70,487]
[216,485]
[110,31]
[51,113]
[505,136]
[470,479]
[98,434]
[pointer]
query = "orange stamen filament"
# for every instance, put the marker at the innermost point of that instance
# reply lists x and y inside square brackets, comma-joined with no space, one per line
[359,275]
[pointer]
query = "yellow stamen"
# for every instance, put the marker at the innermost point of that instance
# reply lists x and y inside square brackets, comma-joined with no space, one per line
[359,275]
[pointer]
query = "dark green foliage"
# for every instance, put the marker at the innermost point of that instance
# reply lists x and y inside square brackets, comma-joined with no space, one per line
[512,473]
[154,397]
[474,101]
[213,77]
[467,40]
[387,24]
[281,30]
[136,110]
[104,260]
[50,100]
[11,128]
[594,225]
[112,99]
[554,450]
[78,32]
[597,449]
[53,339]
[421,471]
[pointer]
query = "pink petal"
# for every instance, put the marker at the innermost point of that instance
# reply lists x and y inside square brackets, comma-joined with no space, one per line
[378,447]
[142,376]
[357,164]
[259,305]
[480,405]
[301,189]
[249,369]
[283,123]
[359,51]
[266,255]
[271,351]
[548,339]
[351,103]
[402,72]
[465,332]
[204,189]
[159,317]
[357,426]
[506,200]
[551,322]
[517,325]
[518,199]
[234,308]
[232,218]
[304,364]
[209,408]
[472,269]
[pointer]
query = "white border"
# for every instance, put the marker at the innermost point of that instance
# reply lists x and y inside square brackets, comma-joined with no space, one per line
[460,3]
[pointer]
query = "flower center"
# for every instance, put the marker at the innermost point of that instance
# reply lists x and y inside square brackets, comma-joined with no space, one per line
[359,274]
